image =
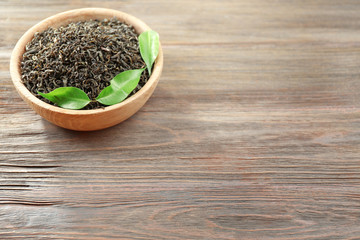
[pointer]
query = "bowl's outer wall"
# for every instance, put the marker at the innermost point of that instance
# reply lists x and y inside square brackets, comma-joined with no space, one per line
[84,120]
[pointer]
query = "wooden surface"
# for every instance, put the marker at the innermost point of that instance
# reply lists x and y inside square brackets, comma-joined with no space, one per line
[252,133]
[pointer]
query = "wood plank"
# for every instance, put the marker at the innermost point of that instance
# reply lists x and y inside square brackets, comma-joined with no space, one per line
[252,133]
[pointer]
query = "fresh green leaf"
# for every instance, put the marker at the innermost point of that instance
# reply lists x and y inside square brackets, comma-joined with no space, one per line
[67,97]
[120,87]
[149,47]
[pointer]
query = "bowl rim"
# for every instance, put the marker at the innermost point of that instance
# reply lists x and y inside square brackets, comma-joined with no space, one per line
[19,49]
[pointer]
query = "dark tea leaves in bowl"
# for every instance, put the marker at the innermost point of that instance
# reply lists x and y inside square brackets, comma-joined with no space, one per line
[86,55]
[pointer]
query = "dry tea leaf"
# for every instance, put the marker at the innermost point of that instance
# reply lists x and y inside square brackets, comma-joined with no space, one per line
[86,55]
[121,86]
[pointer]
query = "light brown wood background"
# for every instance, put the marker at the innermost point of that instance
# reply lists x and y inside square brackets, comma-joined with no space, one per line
[252,133]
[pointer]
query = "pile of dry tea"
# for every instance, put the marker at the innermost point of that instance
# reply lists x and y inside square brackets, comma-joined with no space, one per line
[86,55]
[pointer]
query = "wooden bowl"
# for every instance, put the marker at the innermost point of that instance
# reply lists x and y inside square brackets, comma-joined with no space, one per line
[83,120]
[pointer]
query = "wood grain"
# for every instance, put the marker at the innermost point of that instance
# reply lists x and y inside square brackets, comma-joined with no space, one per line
[252,132]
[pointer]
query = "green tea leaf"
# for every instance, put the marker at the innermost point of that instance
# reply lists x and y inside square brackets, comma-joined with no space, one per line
[149,47]
[67,97]
[120,87]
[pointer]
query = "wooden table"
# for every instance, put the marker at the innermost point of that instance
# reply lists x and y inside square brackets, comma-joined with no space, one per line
[252,133]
